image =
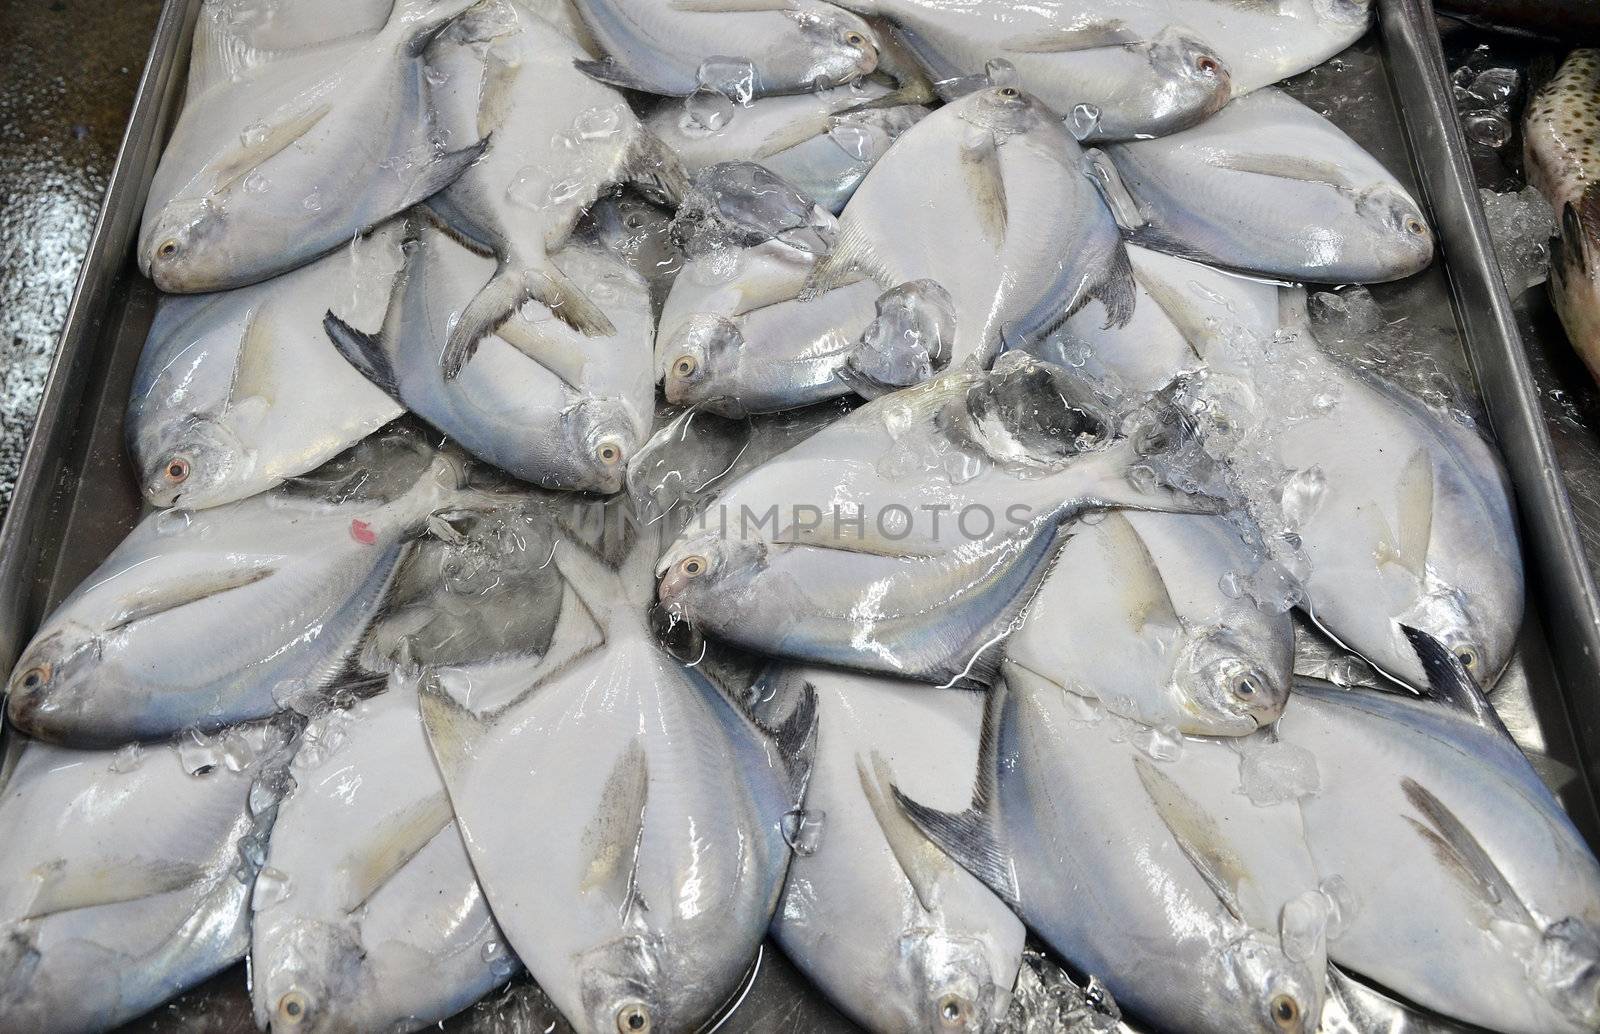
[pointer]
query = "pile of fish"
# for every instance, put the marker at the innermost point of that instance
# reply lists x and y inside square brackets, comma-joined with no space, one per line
[634,479]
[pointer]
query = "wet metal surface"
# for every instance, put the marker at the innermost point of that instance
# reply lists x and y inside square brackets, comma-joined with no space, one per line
[68,69]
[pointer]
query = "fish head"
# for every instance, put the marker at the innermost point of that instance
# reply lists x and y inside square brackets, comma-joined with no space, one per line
[704,575]
[1228,686]
[831,47]
[53,686]
[1444,614]
[1398,229]
[1566,971]
[698,358]
[948,982]
[1004,109]
[194,462]
[1283,996]
[310,978]
[601,435]
[178,245]
[624,989]
[1191,81]
[1354,14]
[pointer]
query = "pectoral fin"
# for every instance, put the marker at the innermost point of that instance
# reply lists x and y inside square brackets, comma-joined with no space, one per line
[985,182]
[158,599]
[364,872]
[1462,856]
[262,145]
[1282,166]
[1098,35]
[1197,835]
[613,838]
[64,885]
[923,864]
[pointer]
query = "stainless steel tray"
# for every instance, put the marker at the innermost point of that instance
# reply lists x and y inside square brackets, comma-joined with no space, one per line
[76,497]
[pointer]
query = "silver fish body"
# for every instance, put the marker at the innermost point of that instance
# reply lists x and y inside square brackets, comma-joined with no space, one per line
[237,391]
[1181,308]
[1563,162]
[1470,891]
[756,344]
[639,884]
[1287,195]
[1261,44]
[1134,614]
[988,199]
[539,400]
[1406,518]
[267,172]
[124,880]
[555,141]
[1131,82]
[368,915]
[673,47]
[200,619]
[895,933]
[1185,900]
[811,140]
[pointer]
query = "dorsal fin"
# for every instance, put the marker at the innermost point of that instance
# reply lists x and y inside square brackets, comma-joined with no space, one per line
[1449,682]
[971,838]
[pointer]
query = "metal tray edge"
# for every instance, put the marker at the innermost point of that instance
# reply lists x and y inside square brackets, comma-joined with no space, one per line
[1559,574]
[79,344]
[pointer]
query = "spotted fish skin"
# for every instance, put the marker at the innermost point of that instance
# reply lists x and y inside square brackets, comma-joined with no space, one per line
[1561,142]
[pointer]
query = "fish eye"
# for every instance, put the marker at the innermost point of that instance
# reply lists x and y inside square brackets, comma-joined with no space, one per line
[633,222]
[1009,92]
[293,1008]
[177,470]
[1207,64]
[855,39]
[1285,1012]
[952,1010]
[1414,226]
[1468,656]
[34,677]
[610,453]
[685,366]
[168,248]
[633,1018]
[1245,687]
[693,566]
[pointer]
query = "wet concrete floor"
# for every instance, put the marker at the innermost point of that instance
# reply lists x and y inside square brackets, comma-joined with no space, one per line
[68,70]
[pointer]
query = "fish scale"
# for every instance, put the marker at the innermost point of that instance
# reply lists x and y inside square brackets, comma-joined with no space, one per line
[1561,152]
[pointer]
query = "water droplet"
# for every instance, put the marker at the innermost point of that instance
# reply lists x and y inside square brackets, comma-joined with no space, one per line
[173,521]
[735,79]
[198,753]
[1002,73]
[436,76]
[1342,904]
[597,123]
[273,888]
[256,182]
[127,759]
[1274,773]
[1303,926]
[313,201]
[708,109]
[1160,744]
[859,142]
[802,831]
[1084,120]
